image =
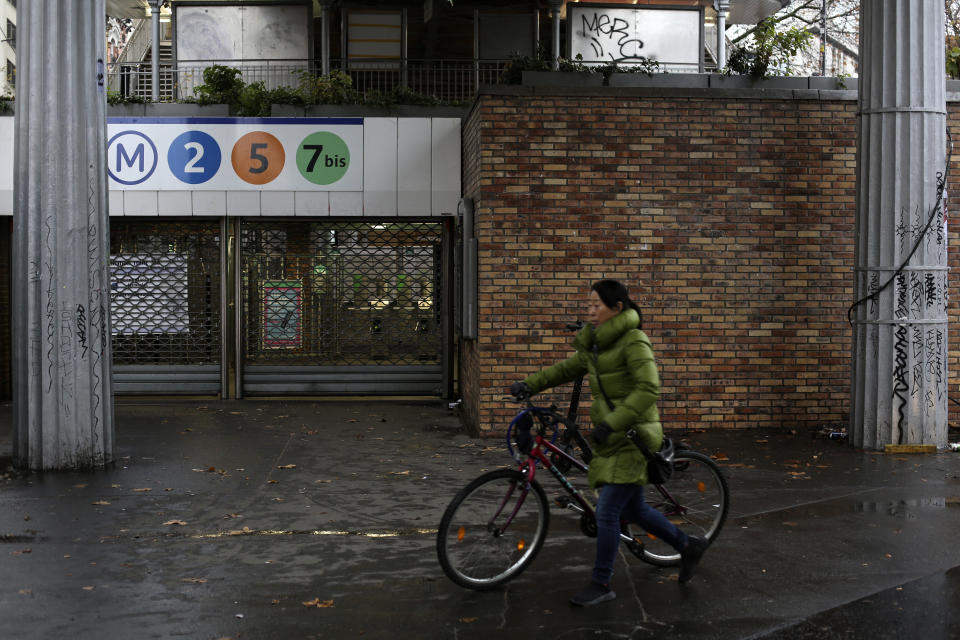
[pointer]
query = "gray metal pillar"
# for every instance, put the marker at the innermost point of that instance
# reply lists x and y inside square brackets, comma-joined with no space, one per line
[63,406]
[325,34]
[155,50]
[722,7]
[555,7]
[899,386]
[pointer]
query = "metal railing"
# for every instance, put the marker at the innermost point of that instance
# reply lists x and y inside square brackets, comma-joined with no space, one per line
[446,80]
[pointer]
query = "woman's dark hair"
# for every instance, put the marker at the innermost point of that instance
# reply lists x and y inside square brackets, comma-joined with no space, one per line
[612,292]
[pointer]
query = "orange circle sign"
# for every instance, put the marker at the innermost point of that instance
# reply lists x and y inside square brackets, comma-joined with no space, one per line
[257,157]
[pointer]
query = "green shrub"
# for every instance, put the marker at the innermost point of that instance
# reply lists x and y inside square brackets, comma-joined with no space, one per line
[221,85]
[771,51]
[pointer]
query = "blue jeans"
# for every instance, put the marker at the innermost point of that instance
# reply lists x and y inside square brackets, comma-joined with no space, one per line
[625,502]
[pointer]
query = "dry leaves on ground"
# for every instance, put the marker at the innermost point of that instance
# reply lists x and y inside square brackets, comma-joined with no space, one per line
[319,604]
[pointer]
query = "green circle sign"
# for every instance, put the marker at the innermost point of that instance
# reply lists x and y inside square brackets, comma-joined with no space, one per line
[323,157]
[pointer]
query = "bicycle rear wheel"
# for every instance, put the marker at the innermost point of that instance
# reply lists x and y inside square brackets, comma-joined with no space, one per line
[696,499]
[492,529]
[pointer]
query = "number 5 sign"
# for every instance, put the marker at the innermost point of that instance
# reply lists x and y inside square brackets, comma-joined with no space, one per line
[278,154]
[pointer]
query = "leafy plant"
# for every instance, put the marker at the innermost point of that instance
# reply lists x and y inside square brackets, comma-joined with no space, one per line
[953,62]
[115,97]
[221,85]
[334,88]
[771,51]
[6,103]
[513,74]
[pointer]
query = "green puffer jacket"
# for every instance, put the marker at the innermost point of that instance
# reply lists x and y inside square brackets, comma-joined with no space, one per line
[621,355]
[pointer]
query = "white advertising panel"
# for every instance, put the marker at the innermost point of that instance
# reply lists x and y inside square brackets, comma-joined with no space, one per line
[223,154]
[614,33]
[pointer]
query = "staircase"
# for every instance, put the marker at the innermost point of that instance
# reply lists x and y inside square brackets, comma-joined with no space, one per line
[132,76]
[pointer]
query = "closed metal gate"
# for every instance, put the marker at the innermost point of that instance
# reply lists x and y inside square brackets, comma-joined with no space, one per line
[165,306]
[341,308]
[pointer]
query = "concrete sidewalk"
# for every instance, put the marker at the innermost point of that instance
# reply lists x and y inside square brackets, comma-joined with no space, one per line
[222,519]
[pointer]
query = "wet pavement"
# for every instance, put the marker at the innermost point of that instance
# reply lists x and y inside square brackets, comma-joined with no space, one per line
[301,519]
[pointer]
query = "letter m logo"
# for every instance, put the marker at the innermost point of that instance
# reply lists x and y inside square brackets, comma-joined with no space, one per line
[137,156]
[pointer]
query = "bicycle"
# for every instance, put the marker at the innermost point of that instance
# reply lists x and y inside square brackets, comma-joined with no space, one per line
[495,526]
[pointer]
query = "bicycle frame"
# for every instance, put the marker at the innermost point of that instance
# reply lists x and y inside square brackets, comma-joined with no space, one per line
[539,453]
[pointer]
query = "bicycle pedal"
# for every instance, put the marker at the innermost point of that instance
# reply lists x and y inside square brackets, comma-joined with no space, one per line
[563,501]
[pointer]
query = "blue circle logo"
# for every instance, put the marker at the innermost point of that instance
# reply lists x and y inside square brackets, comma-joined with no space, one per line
[131,157]
[194,157]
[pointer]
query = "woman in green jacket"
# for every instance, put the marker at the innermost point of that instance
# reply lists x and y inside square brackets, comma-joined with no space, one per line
[619,359]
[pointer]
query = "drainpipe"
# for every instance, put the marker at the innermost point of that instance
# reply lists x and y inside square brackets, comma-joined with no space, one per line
[155,55]
[555,7]
[722,7]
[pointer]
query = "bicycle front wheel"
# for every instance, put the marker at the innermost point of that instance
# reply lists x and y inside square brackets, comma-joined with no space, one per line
[492,530]
[696,499]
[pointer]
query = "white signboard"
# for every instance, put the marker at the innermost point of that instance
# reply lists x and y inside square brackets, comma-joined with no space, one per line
[614,33]
[275,154]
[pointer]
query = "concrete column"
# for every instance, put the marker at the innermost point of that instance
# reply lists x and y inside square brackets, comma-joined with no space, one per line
[63,408]
[155,50]
[899,387]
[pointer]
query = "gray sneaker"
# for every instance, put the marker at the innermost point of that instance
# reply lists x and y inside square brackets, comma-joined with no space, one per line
[594,593]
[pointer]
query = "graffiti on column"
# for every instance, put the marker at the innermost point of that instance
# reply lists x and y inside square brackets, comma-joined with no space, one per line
[919,346]
[98,302]
[917,294]
[900,386]
[51,310]
[872,292]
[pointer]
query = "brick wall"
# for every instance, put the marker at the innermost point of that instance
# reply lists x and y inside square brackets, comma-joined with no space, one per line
[731,218]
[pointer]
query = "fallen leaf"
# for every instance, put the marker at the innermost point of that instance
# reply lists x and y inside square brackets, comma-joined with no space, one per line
[241,532]
[232,515]
[761,441]
[399,473]
[790,524]
[79,486]
[469,619]
[144,490]
[89,588]
[720,456]
[287,466]
[21,552]
[274,602]
[322,481]
[272,481]
[194,580]
[171,522]
[319,604]
[100,502]
[25,592]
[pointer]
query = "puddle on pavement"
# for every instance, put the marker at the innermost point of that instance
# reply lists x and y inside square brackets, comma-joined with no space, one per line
[906,508]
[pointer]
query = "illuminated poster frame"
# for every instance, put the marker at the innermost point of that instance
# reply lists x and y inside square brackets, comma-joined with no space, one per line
[282,314]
